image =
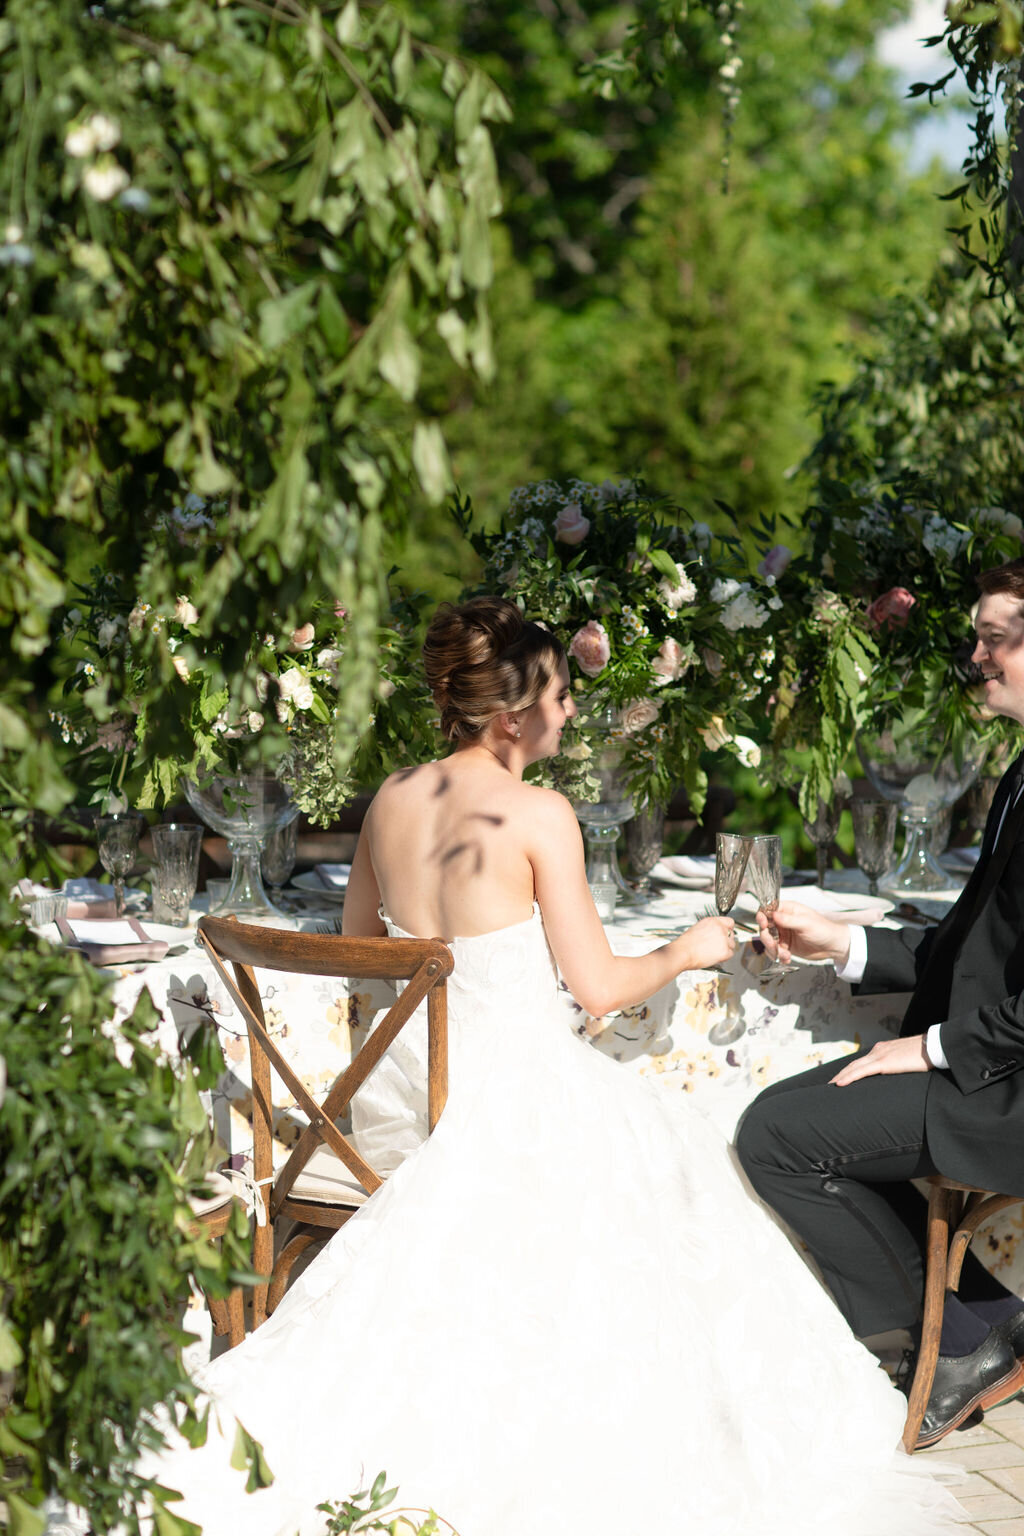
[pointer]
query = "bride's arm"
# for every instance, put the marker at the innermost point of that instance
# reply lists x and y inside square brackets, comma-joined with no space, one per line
[359,916]
[597,979]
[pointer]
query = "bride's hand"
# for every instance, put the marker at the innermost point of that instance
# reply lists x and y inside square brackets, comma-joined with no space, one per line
[709,942]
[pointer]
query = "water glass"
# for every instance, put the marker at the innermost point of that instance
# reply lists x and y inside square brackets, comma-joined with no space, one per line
[175,873]
[874,832]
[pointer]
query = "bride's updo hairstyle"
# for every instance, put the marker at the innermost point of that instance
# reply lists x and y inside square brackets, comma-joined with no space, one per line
[483,659]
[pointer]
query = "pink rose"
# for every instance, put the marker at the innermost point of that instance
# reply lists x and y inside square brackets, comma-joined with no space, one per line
[775,561]
[669,663]
[637,715]
[590,649]
[571,527]
[892,608]
[302,639]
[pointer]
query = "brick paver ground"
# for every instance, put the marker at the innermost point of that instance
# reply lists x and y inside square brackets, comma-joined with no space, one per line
[991,1458]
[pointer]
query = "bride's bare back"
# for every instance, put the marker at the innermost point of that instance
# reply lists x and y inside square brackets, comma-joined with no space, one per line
[448,845]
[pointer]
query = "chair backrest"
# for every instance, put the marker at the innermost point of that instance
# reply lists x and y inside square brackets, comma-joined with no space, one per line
[425,964]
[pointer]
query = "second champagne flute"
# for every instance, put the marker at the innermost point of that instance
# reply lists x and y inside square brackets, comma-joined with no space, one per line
[764,881]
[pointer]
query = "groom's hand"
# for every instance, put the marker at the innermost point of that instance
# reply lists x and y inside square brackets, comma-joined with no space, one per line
[906,1055]
[804,932]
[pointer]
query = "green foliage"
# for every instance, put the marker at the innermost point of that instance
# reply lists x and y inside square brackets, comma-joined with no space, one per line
[102,1142]
[229,231]
[369,1510]
[936,395]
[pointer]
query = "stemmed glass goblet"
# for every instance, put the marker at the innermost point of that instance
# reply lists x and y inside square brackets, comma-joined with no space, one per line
[117,843]
[764,880]
[732,851]
[822,829]
[874,829]
[277,858]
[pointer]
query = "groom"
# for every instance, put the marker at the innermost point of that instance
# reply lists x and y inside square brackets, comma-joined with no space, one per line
[833,1151]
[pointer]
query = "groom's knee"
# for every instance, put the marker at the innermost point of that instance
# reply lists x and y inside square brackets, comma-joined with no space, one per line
[759,1143]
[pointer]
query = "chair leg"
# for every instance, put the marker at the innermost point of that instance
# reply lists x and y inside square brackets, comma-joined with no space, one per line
[293,1250]
[941,1205]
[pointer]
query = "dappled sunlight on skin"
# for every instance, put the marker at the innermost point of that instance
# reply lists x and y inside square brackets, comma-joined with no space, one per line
[472,848]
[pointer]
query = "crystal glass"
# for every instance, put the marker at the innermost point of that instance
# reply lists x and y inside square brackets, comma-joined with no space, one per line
[602,819]
[874,831]
[822,833]
[278,857]
[245,809]
[117,843]
[645,836]
[731,854]
[175,873]
[764,882]
[913,766]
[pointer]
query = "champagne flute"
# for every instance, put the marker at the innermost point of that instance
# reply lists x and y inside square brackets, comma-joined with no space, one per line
[764,879]
[731,854]
[117,843]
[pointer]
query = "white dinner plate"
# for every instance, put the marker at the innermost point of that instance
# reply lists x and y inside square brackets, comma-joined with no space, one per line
[844,906]
[310,882]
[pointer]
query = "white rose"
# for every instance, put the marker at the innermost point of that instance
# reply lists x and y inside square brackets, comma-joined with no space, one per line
[180,666]
[254,720]
[295,688]
[675,593]
[185,612]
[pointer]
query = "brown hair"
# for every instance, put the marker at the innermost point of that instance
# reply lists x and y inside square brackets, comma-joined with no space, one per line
[483,658]
[1004,578]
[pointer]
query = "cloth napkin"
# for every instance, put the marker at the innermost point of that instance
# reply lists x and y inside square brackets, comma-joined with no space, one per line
[86,898]
[334,876]
[117,942]
[693,870]
[842,906]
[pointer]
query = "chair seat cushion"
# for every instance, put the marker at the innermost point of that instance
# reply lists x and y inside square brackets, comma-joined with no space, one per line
[222,1190]
[326,1180]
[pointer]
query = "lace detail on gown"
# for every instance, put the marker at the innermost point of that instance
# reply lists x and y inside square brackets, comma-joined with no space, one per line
[563,1315]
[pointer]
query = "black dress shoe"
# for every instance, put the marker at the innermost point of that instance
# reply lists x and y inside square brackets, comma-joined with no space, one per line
[1012,1331]
[964,1383]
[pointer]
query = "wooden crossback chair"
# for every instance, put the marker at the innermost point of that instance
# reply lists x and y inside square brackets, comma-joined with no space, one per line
[211,1216]
[960,1209]
[324,1180]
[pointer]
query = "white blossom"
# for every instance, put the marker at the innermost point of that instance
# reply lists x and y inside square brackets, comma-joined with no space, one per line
[295,688]
[105,179]
[674,594]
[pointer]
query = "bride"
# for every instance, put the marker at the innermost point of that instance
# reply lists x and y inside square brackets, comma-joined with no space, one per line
[563,1315]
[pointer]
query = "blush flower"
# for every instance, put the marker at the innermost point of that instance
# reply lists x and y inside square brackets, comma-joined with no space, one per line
[302,639]
[892,608]
[186,612]
[571,527]
[590,648]
[669,664]
[637,715]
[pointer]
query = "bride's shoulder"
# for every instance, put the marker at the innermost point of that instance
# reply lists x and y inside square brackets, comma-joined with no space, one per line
[548,806]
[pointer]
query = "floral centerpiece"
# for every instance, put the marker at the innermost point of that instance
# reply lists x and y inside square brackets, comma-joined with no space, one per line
[228,709]
[876,629]
[661,621]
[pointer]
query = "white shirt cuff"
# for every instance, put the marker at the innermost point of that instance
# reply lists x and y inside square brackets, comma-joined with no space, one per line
[933,1047]
[852,969]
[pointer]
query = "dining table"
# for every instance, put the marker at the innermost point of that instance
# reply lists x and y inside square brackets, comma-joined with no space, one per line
[718,1036]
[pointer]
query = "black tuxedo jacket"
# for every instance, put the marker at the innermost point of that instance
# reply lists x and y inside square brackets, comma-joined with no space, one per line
[968,975]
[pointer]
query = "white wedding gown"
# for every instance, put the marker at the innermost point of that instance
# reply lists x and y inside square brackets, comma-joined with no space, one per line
[562,1316]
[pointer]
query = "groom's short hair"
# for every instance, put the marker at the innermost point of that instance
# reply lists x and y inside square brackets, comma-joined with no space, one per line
[1004,578]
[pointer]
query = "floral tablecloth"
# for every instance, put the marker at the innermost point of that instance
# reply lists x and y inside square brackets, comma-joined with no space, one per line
[791,1022]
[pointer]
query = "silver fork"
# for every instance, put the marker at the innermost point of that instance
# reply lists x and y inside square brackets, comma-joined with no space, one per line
[328,925]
